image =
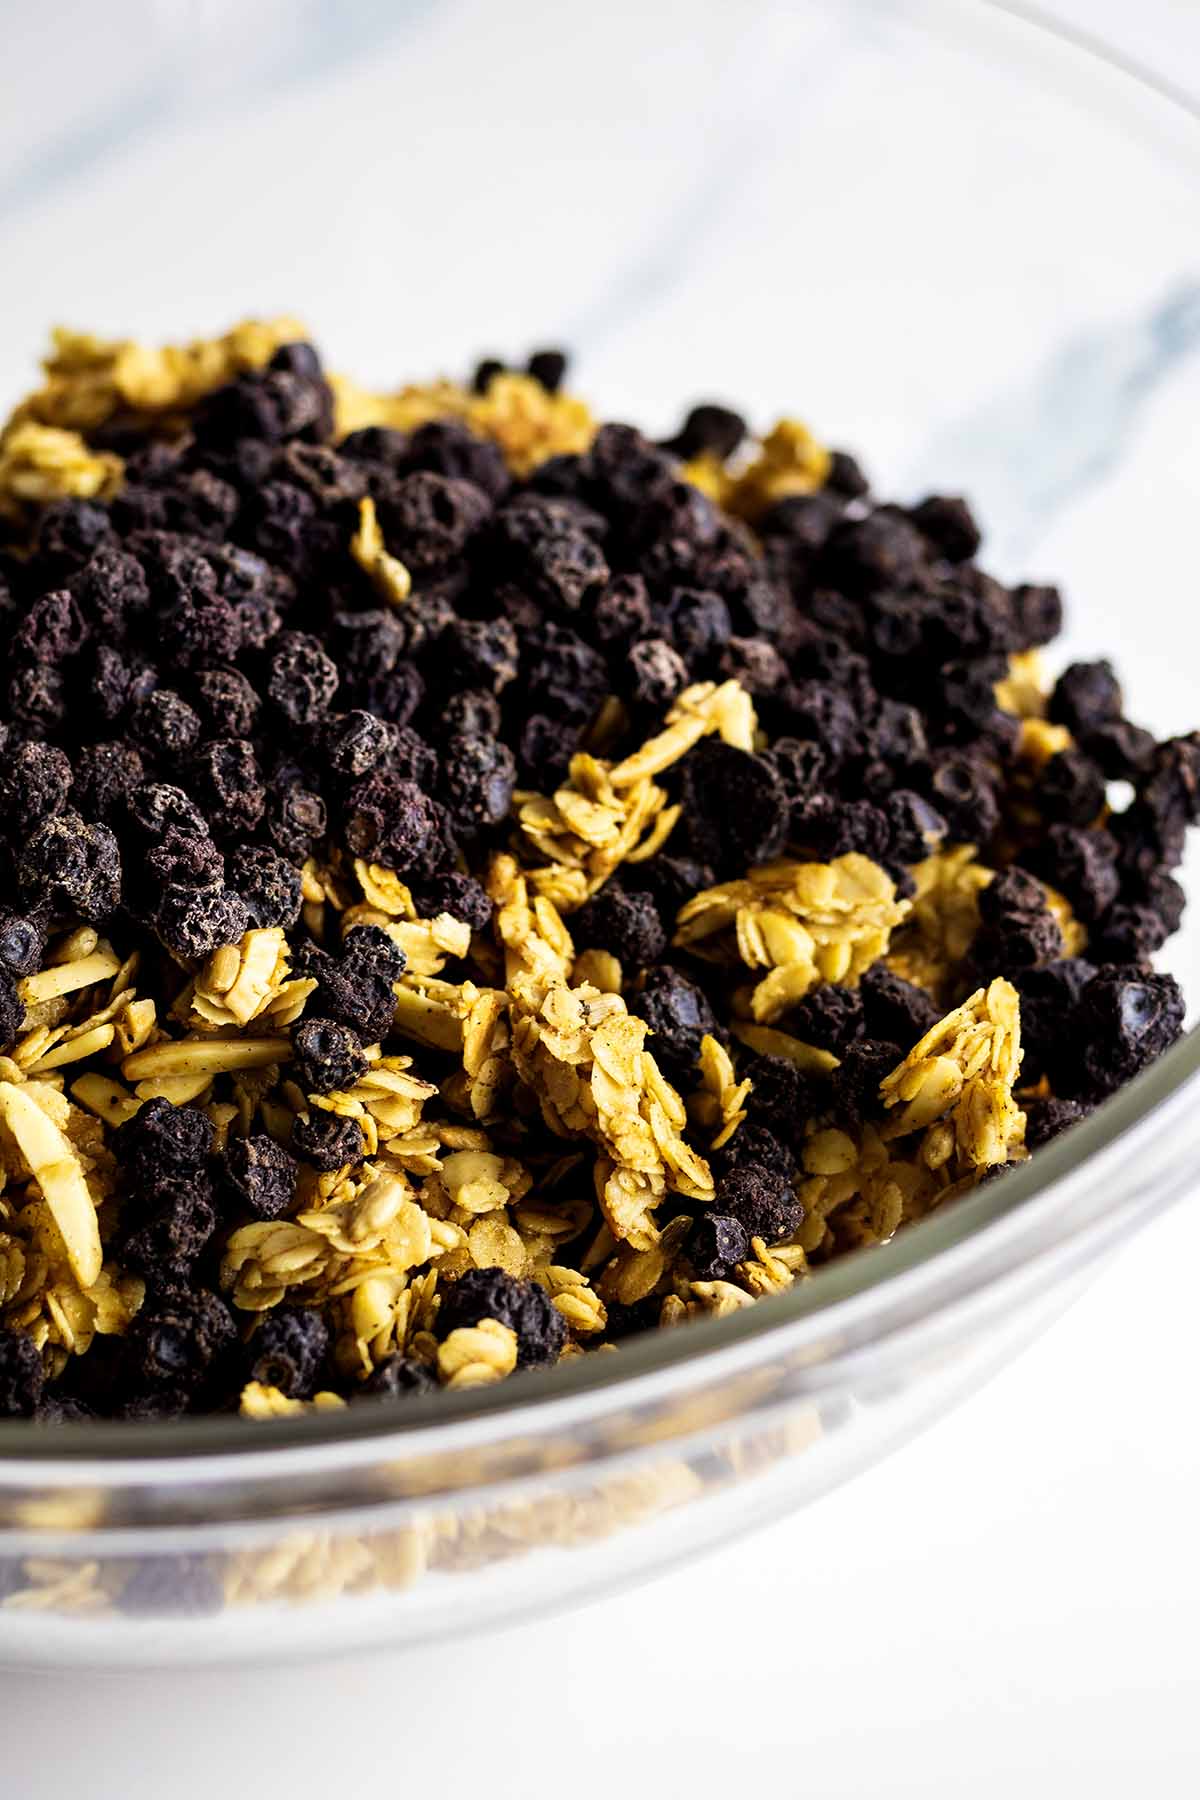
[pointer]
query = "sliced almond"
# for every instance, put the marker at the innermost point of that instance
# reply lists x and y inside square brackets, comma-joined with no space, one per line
[67,978]
[205,1056]
[58,1174]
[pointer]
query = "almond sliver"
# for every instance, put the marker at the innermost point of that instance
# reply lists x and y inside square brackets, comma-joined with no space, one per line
[57,1172]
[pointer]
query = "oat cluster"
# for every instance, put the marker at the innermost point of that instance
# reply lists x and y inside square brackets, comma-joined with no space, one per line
[480,883]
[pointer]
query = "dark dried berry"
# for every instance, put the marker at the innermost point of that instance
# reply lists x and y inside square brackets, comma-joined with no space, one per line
[370,947]
[783,1098]
[715,1243]
[478,775]
[429,519]
[541,546]
[1019,930]
[670,881]
[963,792]
[1071,788]
[545,750]
[390,820]
[1085,696]
[328,1142]
[1122,751]
[655,674]
[397,1376]
[1157,890]
[301,679]
[288,1351]
[1047,1119]
[175,1229]
[161,1138]
[106,774]
[227,704]
[1126,1019]
[761,1199]
[21,1375]
[1127,933]
[915,828]
[52,630]
[267,885]
[1049,999]
[711,428]
[258,1176]
[736,805]
[482,653]
[754,1143]
[366,646]
[271,404]
[523,1306]
[163,725]
[228,784]
[69,865]
[471,711]
[177,1341]
[295,820]
[1037,615]
[158,807]
[1082,865]
[620,613]
[22,942]
[624,923]
[845,476]
[69,533]
[193,922]
[356,995]
[35,780]
[829,828]
[679,1016]
[549,368]
[881,551]
[754,664]
[566,677]
[947,521]
[855,1083]
[177,860]
[12,1010]
[354,742]
[412,757]
[37,698]
[894,1009]
[328,1055]
[459,895]
[699,624]
[447,447]
[199,628]
[830,1017]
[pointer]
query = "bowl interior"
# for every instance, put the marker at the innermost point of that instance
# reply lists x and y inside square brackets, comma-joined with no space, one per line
[947,239]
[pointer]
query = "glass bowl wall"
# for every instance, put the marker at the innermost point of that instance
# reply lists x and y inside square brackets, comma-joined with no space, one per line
[948,238]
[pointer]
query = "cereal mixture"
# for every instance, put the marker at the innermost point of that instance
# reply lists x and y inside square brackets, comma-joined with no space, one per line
[479,883]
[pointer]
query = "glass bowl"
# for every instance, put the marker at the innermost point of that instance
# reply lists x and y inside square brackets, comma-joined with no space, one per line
[957,243]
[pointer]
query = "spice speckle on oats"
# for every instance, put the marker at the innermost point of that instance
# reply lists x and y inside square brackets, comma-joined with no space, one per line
[482,880]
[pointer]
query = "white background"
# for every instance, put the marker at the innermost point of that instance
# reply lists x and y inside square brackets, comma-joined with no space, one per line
[1008,1605]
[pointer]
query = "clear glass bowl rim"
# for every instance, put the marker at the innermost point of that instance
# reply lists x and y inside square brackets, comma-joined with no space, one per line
[880,1287]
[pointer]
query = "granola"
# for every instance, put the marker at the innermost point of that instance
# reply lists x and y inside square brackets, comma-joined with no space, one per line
[482,882]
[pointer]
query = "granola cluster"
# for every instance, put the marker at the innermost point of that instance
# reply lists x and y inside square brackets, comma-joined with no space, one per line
[480,883]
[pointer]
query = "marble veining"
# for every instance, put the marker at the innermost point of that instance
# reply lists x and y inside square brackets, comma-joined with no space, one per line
[1036,448]
[1050,425]
[183,70]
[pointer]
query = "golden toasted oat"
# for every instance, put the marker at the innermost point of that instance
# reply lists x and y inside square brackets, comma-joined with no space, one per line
[369,551]
[804,922]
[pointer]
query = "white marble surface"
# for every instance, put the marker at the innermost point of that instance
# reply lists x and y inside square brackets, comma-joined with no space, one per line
[1010,1600]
